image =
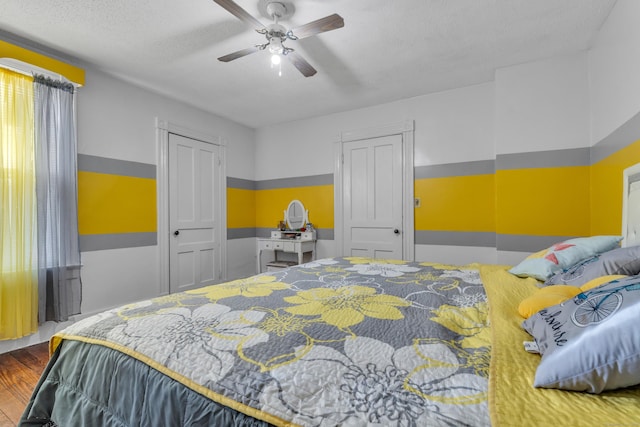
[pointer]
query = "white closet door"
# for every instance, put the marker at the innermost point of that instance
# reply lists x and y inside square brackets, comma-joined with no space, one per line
[372,194]
[193,193]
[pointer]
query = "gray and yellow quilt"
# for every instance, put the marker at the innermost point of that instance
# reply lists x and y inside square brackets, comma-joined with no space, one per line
[340,341]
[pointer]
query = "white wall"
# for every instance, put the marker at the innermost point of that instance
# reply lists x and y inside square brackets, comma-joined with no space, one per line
[445,122]
[117,120]
[542,105]
[614,70]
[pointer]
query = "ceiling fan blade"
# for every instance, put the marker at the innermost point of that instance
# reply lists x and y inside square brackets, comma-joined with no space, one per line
[328,23]
[233,8]
[301,64]
[239,54]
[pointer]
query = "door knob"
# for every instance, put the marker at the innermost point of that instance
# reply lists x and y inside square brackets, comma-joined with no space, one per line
[175,233]
[396,231]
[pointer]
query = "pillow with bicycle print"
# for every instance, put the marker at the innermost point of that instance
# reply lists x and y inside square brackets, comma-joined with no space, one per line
[625,261]
[590,342]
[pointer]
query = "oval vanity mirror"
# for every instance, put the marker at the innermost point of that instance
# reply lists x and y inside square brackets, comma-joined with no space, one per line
[295,215]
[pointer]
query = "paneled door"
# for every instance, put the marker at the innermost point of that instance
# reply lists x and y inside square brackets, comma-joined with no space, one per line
[194,244]
[372,197]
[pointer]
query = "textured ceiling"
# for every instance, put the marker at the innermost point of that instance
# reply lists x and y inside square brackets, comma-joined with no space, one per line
[387,50]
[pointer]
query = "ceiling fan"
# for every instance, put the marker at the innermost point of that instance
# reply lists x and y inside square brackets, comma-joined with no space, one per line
[277,34]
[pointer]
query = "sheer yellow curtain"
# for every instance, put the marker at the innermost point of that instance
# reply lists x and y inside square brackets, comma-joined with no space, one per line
[18,230]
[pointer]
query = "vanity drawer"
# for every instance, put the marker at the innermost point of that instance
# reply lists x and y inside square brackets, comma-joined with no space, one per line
[271,244]
[308,235]
[266,244]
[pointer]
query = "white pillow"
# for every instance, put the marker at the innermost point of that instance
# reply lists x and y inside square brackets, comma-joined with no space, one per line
[592,341]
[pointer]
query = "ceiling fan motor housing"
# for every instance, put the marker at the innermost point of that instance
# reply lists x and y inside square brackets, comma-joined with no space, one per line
[276,10]
[276,30]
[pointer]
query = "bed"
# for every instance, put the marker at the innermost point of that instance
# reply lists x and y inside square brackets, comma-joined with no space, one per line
[339,341]
[356,341]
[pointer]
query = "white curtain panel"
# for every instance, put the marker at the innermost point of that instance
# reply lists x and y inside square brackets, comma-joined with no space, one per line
[59,285]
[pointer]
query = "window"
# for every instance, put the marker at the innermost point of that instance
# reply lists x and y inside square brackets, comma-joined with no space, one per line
[39,251]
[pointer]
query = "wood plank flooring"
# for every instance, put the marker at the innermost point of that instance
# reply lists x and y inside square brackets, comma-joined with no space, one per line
[19,374]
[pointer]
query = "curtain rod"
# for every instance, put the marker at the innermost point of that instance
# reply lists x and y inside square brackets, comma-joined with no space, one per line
[29,70]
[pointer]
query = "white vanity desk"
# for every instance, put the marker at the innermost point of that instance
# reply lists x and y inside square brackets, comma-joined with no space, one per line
[299,246]
[289,241]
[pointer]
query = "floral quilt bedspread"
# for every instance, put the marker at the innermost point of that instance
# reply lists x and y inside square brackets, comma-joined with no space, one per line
[339,341]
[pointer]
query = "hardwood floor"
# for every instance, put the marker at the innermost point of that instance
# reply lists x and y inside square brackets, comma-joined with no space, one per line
[19,374]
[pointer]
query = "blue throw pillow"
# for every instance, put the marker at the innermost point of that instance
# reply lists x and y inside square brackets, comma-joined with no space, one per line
[545,263]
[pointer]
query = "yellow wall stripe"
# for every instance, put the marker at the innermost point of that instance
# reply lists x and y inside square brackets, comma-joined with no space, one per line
[606,189]
[72,73]
[457,203]
[318,199]
[110,204]
[241,208]
[543,201]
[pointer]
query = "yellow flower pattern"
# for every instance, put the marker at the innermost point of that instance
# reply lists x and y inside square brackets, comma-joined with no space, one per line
[255,286]
[470,322]
[346,306]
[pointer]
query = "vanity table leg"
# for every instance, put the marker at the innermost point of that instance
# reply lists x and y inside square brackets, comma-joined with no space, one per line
[259,260]
[300,256]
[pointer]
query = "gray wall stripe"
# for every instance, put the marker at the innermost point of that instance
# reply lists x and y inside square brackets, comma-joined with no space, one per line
[263,233]
[544,159]
[299,181]
[480,167]
[98,242]
[618,139]
[502,242]
[455,238]
[241,233]
[525,243]
[242,184]
[88,163]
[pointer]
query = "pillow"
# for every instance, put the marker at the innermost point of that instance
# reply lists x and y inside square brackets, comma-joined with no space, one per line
[591,342]
[545,263]
[546,297]
[600,281]
[625,261]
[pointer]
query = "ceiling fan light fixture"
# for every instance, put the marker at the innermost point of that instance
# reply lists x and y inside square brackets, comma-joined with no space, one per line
[275,45]
[276,59]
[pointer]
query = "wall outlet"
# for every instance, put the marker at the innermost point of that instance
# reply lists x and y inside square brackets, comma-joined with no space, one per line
[416,202]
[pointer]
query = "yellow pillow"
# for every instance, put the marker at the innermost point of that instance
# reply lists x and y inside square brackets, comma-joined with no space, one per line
[600,281]
[546,297]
